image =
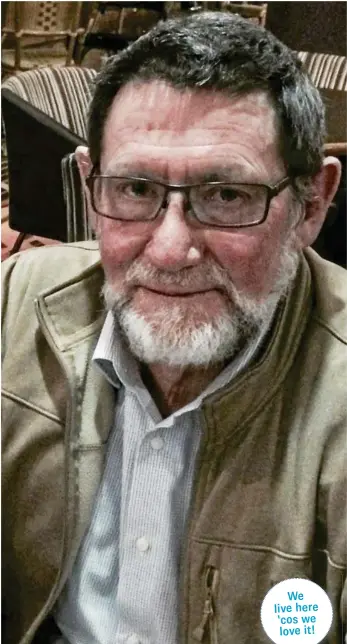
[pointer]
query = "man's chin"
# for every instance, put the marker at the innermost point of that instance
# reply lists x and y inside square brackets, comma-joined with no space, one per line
[179,341]
[176,318]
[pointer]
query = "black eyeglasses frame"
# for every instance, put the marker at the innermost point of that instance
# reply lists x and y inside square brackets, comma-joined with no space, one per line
[272,191]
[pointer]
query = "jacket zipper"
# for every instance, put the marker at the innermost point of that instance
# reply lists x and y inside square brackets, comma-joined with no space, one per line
[208,622]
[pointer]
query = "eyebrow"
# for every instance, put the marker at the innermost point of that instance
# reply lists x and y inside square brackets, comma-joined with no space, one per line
[235,172]
[232,173]
[132,170]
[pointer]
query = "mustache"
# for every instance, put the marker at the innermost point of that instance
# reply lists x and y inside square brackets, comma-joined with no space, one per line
[208,275]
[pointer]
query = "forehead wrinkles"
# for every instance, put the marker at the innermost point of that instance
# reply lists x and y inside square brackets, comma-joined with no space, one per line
[156,120]
[156,106]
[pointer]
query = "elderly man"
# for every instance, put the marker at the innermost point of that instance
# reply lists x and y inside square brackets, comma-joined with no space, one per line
[170,459]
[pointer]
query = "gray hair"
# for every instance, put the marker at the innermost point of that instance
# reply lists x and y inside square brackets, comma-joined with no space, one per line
[222,52]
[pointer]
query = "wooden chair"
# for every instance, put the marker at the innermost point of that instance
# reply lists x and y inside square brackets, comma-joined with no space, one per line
[254,12]
[112,27]
[39,34]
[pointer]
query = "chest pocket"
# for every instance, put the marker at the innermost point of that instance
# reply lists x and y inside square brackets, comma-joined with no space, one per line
[233,583]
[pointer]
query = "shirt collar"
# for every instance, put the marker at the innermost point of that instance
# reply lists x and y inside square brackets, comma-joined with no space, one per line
[119,366]
[113,357]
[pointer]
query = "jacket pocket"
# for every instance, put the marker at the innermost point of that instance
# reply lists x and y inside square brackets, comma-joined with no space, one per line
[208,625]
[234,580]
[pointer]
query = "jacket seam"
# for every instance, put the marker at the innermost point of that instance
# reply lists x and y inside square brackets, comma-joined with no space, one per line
[276,551]
[332,563]
[67,347]
[93,447]
[26,403]
[72,341]
[253,547]
[330,330]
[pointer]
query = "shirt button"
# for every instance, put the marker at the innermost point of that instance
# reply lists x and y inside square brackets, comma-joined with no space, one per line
[142,544]
[133,639]
[157,442]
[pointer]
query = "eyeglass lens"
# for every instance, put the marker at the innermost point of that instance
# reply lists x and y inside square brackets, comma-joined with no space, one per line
[140,200]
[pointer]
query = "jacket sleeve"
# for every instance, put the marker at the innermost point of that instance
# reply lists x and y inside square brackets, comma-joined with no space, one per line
[332,529]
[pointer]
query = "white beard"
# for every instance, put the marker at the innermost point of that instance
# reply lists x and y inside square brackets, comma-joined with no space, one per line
[173,337]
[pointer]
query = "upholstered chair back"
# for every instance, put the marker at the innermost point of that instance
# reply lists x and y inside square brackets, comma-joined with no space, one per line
[44,114]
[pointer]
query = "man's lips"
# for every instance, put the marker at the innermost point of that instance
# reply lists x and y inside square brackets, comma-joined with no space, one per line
[176,291]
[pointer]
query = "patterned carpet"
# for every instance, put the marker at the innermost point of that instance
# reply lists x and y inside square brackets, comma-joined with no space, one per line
[9,236]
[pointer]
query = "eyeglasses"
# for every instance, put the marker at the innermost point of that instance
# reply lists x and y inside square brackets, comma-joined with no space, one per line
[215,203]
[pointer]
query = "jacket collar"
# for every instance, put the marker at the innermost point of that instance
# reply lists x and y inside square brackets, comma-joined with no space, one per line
[73,314]
[228,413]
[74,310]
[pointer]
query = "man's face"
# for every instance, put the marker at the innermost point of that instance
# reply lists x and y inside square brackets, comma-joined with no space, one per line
[186,292]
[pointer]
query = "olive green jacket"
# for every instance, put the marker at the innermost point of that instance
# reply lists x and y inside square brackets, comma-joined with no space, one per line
[269,494]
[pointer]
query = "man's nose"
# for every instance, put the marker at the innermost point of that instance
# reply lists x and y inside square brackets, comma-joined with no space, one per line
[174,243]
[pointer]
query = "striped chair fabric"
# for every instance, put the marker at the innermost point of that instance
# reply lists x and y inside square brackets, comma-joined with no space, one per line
[63,93]
[326,70]
[329,74]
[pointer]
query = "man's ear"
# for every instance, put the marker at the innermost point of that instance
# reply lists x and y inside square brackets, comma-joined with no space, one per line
[83,161]
[85,165]
[324,186]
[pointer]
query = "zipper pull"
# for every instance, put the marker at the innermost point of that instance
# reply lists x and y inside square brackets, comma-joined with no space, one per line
[199,631]
[208,612]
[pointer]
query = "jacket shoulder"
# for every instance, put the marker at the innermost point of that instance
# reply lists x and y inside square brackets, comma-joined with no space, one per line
[53,264]
[49,266]
[30,273]
[330,294]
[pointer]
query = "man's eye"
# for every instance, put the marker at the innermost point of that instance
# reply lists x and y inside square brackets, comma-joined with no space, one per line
[136,189]
[222,194]
[227,194]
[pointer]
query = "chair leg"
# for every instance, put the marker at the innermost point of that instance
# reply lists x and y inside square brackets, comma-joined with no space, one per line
[17,244]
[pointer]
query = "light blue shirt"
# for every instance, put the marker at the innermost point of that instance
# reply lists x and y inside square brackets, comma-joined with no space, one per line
[124,584]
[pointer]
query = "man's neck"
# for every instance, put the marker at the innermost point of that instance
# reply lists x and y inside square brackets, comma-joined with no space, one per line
[174,387]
